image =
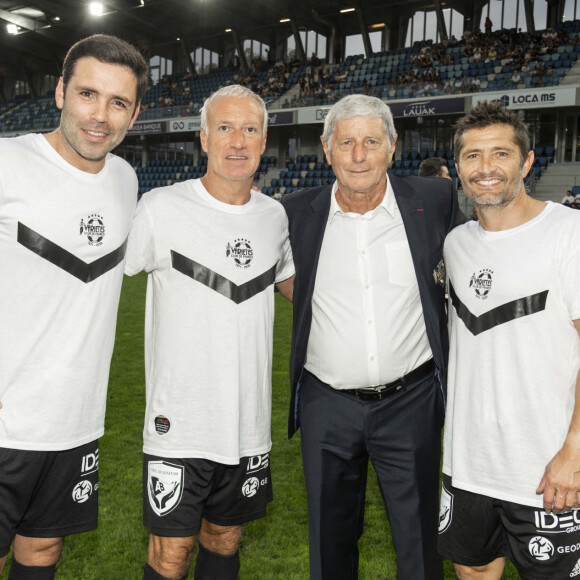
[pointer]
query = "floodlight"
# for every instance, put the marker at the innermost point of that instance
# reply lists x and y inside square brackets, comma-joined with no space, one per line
[96,8]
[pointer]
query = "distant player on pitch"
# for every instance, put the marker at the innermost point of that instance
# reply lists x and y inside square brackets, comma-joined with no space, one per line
[59,293]
[214,250]
[511,466]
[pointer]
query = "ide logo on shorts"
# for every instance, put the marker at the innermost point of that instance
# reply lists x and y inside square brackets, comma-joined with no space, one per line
[164,486]
[90,463]
[257,463]
[541,548]
[82,491]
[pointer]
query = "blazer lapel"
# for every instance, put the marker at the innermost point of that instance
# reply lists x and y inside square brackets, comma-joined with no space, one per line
[313,228]
[413,214]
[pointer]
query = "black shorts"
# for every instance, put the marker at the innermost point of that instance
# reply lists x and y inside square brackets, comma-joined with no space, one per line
[475,529]
[48,494]
[178,493]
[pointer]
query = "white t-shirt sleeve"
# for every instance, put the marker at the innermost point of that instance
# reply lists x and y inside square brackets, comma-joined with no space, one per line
[141,247]
[571,274]
[285,267]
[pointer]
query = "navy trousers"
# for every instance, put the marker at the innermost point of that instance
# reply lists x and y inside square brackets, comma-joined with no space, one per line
[402,437]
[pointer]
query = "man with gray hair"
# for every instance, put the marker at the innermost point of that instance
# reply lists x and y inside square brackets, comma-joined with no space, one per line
[369,343]
[214,249]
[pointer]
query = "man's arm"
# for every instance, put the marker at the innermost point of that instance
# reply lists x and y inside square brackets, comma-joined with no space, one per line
[286,287]
[561,481]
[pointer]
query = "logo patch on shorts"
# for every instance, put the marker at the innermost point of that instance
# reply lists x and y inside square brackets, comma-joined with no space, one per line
[250,487]
[445,510]
[164,486]
[82,491]
[541,548]
[257,463]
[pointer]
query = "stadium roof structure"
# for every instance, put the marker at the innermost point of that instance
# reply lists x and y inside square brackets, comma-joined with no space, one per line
[41,31]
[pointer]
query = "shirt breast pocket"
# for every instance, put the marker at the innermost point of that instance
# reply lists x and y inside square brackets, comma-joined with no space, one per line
[401,270]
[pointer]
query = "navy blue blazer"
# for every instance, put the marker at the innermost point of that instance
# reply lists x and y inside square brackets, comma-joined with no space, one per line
[429,210]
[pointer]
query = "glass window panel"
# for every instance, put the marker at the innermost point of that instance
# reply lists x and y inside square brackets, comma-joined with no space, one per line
[418,26]
[375,38]
[540,14]
[409,37]
[569,10]
[291,47]
[509,15]
[354,45]
[430,26]
[457,25]
[321,46]
[311,43]
[495,14]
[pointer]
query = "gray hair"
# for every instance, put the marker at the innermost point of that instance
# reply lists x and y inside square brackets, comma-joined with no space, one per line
[358,106]
[233,91]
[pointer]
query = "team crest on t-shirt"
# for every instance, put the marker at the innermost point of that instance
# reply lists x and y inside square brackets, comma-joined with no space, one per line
[93,228]
[241,252]
[164,486]
[481,283]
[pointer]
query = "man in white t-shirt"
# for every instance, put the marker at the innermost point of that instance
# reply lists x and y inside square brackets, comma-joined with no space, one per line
[511,466]
[214,250]
[66,206]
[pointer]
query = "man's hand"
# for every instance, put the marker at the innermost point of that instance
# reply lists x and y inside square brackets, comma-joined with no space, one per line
[561,481]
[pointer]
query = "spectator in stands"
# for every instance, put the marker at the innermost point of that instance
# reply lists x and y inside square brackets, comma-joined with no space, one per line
[488,25]
[434,167]
[568,199]
[516,77]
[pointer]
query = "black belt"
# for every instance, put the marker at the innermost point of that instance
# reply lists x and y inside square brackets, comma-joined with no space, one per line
[384,391]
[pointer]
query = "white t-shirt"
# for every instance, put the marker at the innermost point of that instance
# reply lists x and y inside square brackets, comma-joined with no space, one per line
[209,319]
[514,354]
[63,236]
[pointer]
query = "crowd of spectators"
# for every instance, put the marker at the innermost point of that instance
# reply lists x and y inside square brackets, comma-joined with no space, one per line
[571,200]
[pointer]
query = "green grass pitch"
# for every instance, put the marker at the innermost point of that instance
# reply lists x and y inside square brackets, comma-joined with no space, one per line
[273,548]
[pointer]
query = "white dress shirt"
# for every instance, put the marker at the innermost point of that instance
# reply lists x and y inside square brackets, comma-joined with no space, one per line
[367,320]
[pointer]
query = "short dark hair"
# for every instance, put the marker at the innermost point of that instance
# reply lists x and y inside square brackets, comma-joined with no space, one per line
[432,166]
[485,114]
[111,50]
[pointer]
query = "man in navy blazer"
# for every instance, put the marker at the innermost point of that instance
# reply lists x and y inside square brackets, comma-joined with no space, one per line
[369,343]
